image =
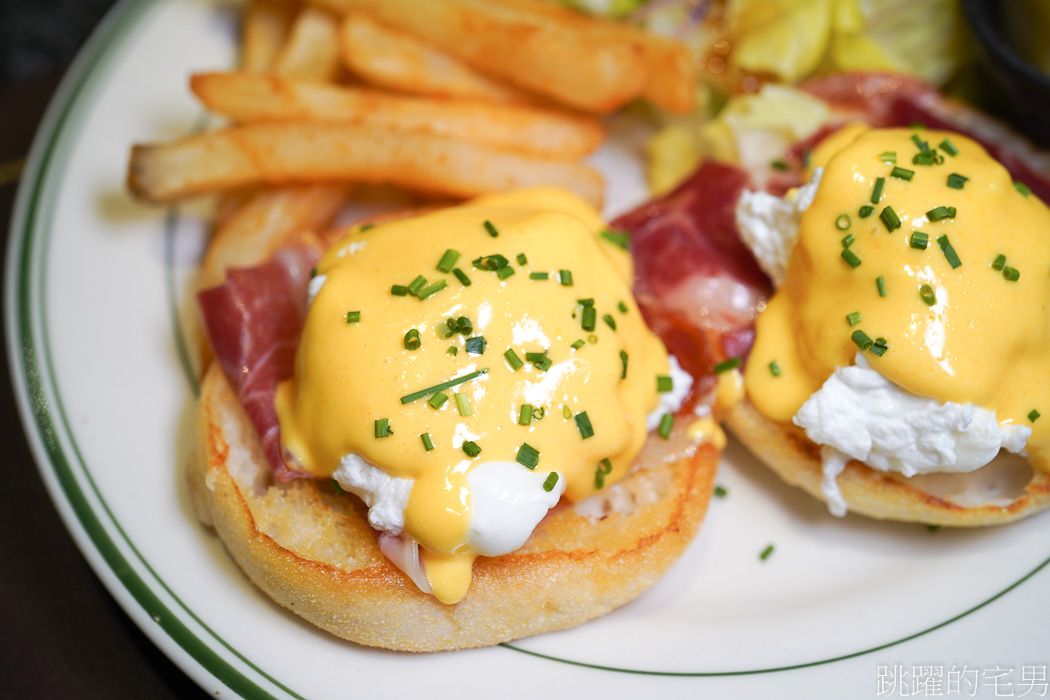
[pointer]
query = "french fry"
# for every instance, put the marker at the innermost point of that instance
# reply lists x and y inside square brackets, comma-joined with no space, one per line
[250,98]
[264,222]
[389,58]
[312,49]
[592,64]
[266,24]
[293,153]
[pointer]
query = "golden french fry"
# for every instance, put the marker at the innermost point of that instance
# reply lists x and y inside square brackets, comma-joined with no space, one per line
[312,49]
[266,24]
[265,221]
[389,58]
[294,152]
[589,63]
[250,98]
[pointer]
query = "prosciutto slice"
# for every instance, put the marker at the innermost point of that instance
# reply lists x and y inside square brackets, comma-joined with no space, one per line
[697,284]
[253,322]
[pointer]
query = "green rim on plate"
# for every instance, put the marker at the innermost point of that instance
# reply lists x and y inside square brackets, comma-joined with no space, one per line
[108,548]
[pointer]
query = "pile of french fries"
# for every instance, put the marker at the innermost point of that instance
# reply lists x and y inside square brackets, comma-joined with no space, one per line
[452,98]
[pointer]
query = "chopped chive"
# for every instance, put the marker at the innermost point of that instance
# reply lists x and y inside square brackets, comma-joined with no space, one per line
[452,350]
[726,365]
[949,148]
[428,444]
[847,240]
[461,276]
[919,240]
[513,360]
[578,344]
[938,213]
[491,229]
[880,347]
[1023,188]
[932,528]
[412,341]
[337,487]
[592,339]
[409,398]
[843,222]
[949,252]
[353,316]
[862,340]
[550,482]
[922,145]
[583,424]
[522,260]
[853,318]
[544,364]
[927,158]
[778,165]
[623,364]
[766,553]
[605,466]
[890,219]
[721,492]
[664,384]
[565,277]
[585,302]
[491,263]
[876,192]
[888,156]
[432,289]
[880,284]
[536,356]
[622,307]
[1011,274]
[999,263]
[928,296]
[587,322]
[463,406]
[902,173]
[448,260]
[865,211]
[566,412]
[666,423]
[472,449]
[366,227]
[1033,415]
[619,239]
[464,326]
[525,414]
[476,345]
[774,368]
[438,400]
[505,272]
[956,181]
[417,284]
[444,329]
[528,456]
[382,428]
[399,290]
[806,155]
[609,321]
[538,275]
[850,257]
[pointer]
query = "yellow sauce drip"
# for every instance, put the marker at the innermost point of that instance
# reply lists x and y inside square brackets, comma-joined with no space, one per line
[348,375]
[983,340]
[707,430]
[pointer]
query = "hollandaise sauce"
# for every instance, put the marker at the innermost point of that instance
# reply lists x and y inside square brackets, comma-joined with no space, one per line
[920,252]
[502,330]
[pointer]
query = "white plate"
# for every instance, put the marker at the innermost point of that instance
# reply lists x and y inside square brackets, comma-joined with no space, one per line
[94,284]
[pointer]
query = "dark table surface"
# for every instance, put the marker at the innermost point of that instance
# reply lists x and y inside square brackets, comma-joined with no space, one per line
[63,635]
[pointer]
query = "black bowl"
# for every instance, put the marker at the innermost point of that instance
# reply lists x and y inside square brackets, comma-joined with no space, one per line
[1024,89]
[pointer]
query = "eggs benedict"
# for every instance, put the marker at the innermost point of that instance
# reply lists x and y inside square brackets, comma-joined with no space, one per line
[468,375]
[908,333]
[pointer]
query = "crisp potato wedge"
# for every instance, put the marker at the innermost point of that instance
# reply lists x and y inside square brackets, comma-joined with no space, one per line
[250,98]
[266,25]
[592,64]
[392,59]
[296,153]
[312,49]
[265,220]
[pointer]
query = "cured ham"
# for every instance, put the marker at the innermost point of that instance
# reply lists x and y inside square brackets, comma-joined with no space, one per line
[253,322]
[696,282]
